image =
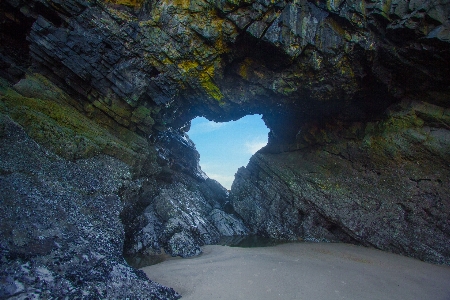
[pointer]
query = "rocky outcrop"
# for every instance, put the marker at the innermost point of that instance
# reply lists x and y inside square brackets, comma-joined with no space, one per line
[150,67]
[179,218]
[179,209]
[355,94]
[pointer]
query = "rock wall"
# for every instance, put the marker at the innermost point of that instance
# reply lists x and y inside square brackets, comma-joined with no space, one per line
[355,94]
[382,184]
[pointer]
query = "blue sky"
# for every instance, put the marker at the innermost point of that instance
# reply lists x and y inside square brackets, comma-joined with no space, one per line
[224,147]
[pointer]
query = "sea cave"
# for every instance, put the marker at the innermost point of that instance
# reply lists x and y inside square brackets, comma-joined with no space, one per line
[96,162]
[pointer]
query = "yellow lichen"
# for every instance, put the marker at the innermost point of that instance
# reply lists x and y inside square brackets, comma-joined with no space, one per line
[212,89]
[204,75]
[187,66]
[206,81]
[182,3]
[156,62]
[243,68]
[130,3]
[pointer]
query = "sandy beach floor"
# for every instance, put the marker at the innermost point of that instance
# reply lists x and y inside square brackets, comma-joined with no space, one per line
[302,271]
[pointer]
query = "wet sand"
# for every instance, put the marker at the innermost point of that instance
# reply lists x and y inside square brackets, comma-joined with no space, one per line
[302,271]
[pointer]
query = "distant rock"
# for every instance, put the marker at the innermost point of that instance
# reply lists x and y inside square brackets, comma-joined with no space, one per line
[180,217]
[228,224]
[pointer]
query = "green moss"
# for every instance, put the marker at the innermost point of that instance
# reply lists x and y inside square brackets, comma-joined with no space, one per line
[142,117]
[382,146]
[65,131]
[140,114]
[118,110]
[399,123]
[432,114]
[376,133]
[395,136]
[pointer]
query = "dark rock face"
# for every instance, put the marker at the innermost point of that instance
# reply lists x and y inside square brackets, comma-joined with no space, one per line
[344,188]
[355,94]
[61,232]
[158,66]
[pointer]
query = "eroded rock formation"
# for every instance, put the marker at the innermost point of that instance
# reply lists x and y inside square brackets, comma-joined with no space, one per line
[355,93]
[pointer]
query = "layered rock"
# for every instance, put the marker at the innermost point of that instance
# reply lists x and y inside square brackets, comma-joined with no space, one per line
[155,66]
[180,219]
[179,209]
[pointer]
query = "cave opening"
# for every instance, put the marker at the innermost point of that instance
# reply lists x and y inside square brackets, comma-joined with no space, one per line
[225,147]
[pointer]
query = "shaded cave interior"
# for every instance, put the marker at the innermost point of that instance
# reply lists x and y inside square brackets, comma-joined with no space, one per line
[302,110]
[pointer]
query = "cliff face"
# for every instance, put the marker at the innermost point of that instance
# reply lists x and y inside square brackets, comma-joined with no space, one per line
[382,184]
[355,94]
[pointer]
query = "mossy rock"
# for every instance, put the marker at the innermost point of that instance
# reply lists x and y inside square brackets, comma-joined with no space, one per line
[142,117]
[66,131]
